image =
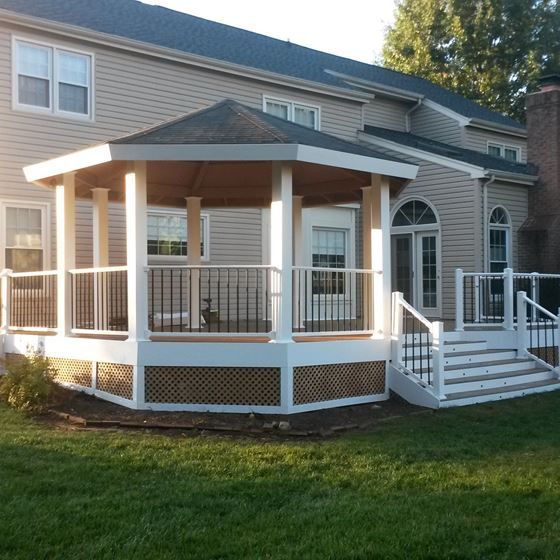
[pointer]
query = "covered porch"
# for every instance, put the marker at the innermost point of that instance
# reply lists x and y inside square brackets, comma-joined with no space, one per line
[133,318]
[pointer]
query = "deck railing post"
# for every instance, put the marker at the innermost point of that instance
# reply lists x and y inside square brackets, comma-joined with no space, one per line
[459,300]
[438,374]
[508,299]
[557,360]
[397,328]
[521,325]
[535,285]
[5,297]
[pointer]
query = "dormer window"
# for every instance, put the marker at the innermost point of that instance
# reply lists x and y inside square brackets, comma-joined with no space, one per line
[511,153]
[300,113]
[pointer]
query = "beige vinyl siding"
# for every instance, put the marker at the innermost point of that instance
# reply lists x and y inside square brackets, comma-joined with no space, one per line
[386,113]
[133,91]
[427,122]
[478,138]
[452,193]
[514,198]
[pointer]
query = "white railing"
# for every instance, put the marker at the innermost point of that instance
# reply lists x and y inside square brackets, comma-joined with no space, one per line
[29,300]
[329,301]
[418,345]
[538,332]
[99,300]
[489,298]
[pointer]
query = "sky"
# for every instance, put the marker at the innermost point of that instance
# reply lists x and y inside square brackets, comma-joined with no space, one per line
[350,28]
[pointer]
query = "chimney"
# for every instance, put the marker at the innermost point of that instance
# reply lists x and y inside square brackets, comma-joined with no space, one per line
[543,151]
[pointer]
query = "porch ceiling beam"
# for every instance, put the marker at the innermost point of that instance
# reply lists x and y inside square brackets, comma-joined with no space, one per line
[200,176]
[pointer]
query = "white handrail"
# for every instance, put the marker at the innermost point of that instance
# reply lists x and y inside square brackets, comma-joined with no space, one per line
[414,311]
[212,267]
[101,269]
[539,307]
[329,269]
[33,274]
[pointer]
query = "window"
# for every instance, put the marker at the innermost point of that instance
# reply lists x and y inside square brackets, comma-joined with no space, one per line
[511,153]
[167,235]
[414,213]
[329,251]
[498,239]
[299,113]
[51,79]
[24,237]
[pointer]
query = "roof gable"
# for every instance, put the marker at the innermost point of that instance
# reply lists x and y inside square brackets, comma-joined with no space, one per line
[175,30]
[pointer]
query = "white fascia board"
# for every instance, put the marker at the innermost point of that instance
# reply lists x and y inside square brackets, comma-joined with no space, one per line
[175,55]
[502,129]
[513,177]
[68,163]
[461,119]
[334,158]
[474,171]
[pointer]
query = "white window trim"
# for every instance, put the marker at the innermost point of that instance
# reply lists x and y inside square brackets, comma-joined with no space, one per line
[502,147]
[180,259]
[53,109]
[507,228]
[45,208]
[291,104]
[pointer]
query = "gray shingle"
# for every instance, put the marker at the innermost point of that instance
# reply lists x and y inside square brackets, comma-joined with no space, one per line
[447,150]
[175,30]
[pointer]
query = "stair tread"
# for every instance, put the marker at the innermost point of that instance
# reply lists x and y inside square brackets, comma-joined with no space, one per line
[472,365]
[490,376]
[478,352]
[500,390]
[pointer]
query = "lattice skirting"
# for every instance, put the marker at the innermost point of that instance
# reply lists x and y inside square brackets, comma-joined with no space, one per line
[338,381]
[549,354]
[249,386]
[116,379]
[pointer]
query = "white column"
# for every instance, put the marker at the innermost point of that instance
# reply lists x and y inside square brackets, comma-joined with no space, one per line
[508,299]
[136,249]
[65,249]
[368,303]
[281,247]
[194,257]
[100,227]
[300,299]
[381,253]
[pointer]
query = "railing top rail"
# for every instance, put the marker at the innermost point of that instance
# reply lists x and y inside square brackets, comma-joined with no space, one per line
[415,312]
[213,267]
[540,308]
[328,269]
[515,275]
[33,274]
[101,269]
[484,274]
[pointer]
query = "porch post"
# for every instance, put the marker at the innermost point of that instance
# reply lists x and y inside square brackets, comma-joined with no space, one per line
[381,253]
[65,250]
[136,249]
[368,301]
[298,313]
[281,248]
[194,257]
[100,227]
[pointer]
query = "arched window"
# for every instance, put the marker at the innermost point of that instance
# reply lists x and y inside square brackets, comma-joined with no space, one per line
[414,213]
[499,239]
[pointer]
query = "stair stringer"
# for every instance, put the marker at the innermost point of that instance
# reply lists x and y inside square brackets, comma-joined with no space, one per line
[410,389]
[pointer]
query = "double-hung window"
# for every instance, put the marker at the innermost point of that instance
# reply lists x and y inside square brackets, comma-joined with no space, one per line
[167,236]
[511,153]
[52,79]
[300,113]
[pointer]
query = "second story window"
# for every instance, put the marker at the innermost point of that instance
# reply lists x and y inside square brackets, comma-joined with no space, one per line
[307,115]
[511,153]
[52,80]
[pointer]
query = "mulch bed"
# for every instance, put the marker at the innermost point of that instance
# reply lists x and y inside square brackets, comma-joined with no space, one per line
[78,410]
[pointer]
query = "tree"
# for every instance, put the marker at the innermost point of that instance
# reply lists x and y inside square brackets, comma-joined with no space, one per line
[490,51]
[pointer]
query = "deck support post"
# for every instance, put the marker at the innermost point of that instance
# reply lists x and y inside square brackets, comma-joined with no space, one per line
[65,250]
[438,374]
[368,301]
[508,299]
[297,223]
[381,253]
[136,250]
[281,257]
[194,257]
[100,198]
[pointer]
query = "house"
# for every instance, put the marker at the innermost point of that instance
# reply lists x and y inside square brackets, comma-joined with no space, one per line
[294,162]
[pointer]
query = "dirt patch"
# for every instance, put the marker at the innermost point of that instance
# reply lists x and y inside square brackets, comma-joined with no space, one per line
[84,411]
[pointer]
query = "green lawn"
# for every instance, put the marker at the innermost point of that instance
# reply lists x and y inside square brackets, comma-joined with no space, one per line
[478,482]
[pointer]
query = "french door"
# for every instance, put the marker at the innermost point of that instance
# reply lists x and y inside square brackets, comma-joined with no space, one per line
[415,269]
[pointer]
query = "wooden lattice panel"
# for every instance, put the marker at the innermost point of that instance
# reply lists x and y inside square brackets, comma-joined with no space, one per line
[249,386]
[338,381]
[76,372]
[548,354]
[115,379]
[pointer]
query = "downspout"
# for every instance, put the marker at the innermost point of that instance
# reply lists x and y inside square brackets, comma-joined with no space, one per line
[407,114]
[485,185]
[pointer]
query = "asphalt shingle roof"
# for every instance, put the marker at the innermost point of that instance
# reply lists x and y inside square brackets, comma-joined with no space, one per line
[447,150]
[166,28]
[229,122]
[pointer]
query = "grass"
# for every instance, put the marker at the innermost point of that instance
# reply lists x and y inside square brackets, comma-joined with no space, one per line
[478,482]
